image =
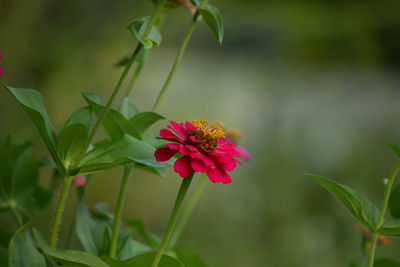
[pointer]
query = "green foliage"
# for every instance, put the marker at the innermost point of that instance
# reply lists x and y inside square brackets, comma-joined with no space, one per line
[122,151]
[360,207]
[19,178]
[138,28]
[190,258]
[213,18]
[138,228]
[128,109]
[74,134]
[115,123]
[94,232]
[395,149]
[32,102]
[144,260]
[22,251]
[144,120]
[391,228]
[394,202]
[386,263]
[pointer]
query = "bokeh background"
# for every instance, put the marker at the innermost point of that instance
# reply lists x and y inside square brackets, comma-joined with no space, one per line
[312,85]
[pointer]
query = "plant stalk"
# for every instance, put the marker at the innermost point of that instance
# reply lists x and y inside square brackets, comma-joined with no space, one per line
[66,183]
[175,212]
[135,54]
[118,213]
[382,213]
[187,211]
[178,58]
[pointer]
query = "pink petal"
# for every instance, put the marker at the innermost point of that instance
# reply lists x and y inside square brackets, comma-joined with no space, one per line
[183,167]
[164,154]
[189,126]
[208,162]
[227,179]
[179,129]
[193,152]
[198,165]
[173,146]
[216,175]
[168,135]
[243,153]
[229,166]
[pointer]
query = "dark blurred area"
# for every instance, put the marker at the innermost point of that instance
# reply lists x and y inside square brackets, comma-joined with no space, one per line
[312,85]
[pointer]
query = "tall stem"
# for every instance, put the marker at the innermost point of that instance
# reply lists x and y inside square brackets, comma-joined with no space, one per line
[66,183]
[175,212]
[118,212]
[137,73]
[382,213]
[187,211]
[178,58]
[139,47]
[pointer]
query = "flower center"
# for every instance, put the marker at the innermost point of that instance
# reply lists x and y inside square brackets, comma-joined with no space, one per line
[207,134]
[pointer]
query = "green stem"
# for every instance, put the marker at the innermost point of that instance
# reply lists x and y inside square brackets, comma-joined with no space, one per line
[66,183]
[178,58]
[118,213]
[382,213]
[175,212]
[137,73]
[139,47]
[187,211]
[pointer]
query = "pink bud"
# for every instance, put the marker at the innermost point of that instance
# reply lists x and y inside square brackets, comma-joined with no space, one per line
[79,180]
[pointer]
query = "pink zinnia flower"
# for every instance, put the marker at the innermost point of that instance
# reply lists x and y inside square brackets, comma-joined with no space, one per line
[1,70]
[79,180]
[231,137]
[203,149]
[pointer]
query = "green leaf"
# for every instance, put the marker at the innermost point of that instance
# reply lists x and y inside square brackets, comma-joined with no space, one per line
[213,18]
[5,237]
[144,120]
[190,258]
[122,151]
[94,231]
[18,175]
[360,207]
[386,263]
[138,28]
[22,251]
[115,124]
[144,260]
[395,149]
[157,171]
[32,102]
[138,228]
[394,202]
[391,228]
[128,109]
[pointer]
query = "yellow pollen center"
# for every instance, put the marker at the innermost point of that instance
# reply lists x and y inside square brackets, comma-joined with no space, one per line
[207,134]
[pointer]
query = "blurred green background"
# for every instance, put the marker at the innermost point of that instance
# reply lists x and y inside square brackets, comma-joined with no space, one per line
[313,86]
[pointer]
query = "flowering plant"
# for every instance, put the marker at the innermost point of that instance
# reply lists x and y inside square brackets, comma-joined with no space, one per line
[75,157]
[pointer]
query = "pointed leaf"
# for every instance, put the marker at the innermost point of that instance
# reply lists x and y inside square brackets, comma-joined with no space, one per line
[32,102]
[128,109]
[22,251]
[391,228]
[386,263]
[395,149]
[18,174]
[360,207]
[138,28]
[213,18]
[394,202]
[115,124]
[144,260]
[122,151]
[144,120]
[190,258]
[138,228]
